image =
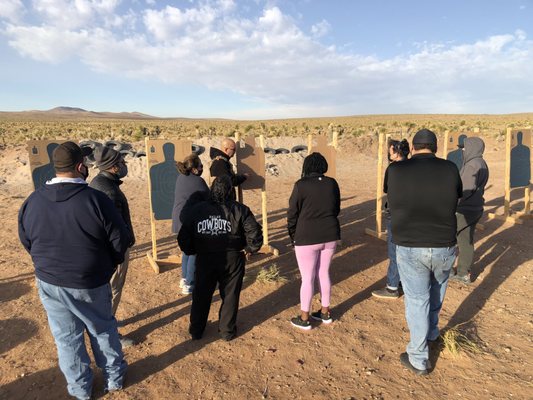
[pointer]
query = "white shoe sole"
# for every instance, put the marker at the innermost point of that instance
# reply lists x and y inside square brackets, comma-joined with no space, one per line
[304,328]
[324,321]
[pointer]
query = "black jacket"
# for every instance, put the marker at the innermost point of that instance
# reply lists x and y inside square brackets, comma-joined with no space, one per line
[220,165]
[209,227]
[109,184]
[74,234]
[190,189]
[474,176]
[314,205]
[422,193]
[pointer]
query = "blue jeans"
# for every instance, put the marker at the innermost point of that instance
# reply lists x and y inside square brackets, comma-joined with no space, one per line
[424,273]
[71,312]
[393,276]
[188,266]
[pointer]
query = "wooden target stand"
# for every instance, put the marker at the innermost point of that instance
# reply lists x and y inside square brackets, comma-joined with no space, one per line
[453,137]
[40,160]
[251,159]
[510,215]
[328,151]
[379,233]
[182,148]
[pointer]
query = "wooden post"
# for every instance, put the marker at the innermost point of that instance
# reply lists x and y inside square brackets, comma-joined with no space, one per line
[151,257]
[309,143]
[445,146]
[507,201]
[378,233]
[527,200]
[240,196]
[264,212]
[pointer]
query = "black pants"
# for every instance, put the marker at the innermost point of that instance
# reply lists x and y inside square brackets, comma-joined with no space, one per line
[466,226]
[226,269]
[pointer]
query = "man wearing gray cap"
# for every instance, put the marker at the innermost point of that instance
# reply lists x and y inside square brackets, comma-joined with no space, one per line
[422,194]
[76,238]
[112,169]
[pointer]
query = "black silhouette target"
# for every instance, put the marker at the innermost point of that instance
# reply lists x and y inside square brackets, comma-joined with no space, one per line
[162,156]
[40,158]
[520,158]
[456,155]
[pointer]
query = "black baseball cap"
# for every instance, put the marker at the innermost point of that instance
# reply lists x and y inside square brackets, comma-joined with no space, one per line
[68,154]
[425,136]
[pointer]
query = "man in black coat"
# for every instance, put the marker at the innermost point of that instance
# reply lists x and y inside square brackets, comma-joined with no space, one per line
[222,233]
[112,168]
[221,165]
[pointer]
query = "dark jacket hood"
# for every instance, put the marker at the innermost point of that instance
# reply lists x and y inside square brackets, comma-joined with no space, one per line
[59,192]
[473,148]
[214,153]
[474,175]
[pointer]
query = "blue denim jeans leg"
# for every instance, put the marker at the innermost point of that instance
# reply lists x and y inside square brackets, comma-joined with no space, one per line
[424,274]
[393,276]
[71,312]
[188,266]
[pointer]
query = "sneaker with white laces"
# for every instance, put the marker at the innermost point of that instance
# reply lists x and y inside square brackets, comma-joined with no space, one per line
[183,282]
[187,289]
[324,317]
[300,323]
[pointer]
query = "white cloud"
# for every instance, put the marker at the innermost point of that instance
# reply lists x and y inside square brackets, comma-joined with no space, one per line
[11,10]
[45,43]
[321,29]
[73,14]
[269,59]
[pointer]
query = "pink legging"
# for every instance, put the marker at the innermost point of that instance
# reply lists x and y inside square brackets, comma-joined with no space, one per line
[313,258]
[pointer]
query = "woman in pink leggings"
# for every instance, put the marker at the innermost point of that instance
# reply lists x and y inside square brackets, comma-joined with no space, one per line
[314,229]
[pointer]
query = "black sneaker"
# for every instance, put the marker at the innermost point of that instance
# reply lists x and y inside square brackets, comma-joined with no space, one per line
[386,293]
[404,359]
[324,317]
[461,278]
[300,323]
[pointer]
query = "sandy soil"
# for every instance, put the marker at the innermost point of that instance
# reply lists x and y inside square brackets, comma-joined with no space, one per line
[356,357]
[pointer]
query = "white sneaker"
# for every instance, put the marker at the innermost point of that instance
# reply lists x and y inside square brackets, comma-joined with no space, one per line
[182,283]
[187,289]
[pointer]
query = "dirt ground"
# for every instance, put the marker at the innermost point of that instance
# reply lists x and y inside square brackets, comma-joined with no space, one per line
[356,357]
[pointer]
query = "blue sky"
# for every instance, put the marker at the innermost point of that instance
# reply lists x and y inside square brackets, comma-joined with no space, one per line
[255,59]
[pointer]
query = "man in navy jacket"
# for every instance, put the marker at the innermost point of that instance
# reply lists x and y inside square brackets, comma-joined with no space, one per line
[76,238]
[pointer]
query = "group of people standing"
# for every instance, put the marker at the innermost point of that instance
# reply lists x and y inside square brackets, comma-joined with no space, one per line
[79,236]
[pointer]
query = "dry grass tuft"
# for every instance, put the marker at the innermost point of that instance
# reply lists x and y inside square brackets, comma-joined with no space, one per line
[459,339]
[270,274]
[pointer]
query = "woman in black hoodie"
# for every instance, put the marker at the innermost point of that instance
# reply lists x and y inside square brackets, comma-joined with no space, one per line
[314,230]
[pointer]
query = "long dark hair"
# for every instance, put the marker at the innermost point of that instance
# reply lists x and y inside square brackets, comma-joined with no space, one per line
[221,190]
[190,162]
[314,163]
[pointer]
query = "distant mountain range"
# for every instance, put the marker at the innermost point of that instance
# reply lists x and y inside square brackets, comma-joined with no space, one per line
[74,112]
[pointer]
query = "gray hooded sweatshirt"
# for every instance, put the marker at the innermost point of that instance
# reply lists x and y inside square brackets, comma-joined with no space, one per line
[474,175]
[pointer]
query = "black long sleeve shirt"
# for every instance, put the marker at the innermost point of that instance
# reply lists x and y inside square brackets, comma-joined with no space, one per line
[422,194]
